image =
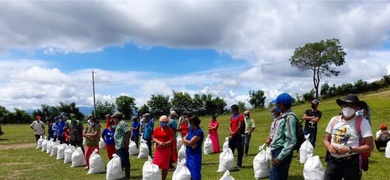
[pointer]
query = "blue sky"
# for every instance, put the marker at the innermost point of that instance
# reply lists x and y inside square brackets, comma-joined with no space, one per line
[48,49]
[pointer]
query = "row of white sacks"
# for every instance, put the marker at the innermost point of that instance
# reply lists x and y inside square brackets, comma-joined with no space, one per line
[150,171]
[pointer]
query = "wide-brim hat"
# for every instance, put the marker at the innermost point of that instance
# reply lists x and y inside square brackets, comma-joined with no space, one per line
[117,114]
[350,98]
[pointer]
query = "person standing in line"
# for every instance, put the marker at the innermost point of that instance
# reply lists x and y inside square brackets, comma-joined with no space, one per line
[163,137]
[213,131]
[249,128]
[60,133]
[108,120]
[173,125]
[122,140]
[284,138]
[135,129]
[75,128]
[147,132]
[50,134]
[91,133]
[344,143]
[236,128]
[38,127]
[193,141]
[108,137]
[275,113]
[54,128]
[311,117]
[184,125]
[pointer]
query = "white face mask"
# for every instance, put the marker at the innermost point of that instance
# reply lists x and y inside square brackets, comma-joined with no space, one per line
[348,112]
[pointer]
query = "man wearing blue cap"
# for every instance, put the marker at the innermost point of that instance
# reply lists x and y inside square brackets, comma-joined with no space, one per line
[284,138]
[312,116]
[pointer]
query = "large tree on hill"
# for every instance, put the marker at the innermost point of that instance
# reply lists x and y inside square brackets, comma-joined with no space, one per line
[125,105]
[181,102]
[257,98]
[321,58]
[102,109]
[159,105]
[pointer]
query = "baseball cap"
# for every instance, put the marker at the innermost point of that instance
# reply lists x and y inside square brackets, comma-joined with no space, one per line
[173,113]
[383,126]
[283,98]
[37,117]
[315,101]
[117,114]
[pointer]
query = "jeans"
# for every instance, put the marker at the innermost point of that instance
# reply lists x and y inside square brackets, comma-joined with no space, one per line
[123,153]
[246,138]
[236,143]
[149,143]
[281,172]
[339,169]
[313,136]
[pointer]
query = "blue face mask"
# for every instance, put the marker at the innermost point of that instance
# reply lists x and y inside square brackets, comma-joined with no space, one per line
[163,124]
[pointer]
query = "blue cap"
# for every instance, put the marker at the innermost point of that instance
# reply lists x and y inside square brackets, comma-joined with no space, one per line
[283,98]
[315,101]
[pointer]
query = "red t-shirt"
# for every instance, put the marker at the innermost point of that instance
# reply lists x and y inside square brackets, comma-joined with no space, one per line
[108,122]
[234,122]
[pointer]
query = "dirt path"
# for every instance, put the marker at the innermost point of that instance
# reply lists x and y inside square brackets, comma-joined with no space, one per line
[17,146]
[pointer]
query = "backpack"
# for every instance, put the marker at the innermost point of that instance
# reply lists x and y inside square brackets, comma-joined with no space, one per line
[363,158]
[298,133]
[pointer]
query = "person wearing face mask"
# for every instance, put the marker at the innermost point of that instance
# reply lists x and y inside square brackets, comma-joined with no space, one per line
[193,141]
[75,129]
[249,128]
[122,139]
[108,137]
[147,130]
[311,117]
[91,133]
[275,113]
[347,138]
[163,137]
[236,128]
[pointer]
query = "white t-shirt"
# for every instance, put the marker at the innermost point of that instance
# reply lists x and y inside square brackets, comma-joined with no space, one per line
[38,127]
[384,137]
[344,133]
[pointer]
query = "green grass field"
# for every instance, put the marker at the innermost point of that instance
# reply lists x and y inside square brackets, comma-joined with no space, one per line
[20,160]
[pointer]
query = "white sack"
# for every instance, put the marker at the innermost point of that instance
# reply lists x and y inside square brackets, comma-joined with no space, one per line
[261,164]
[68,154]
[208,145]
[40,141]
[61,151]
[313,169]
[182,153]
[102,144]
[179,141]
[49,146]
[133,148]
[54,149]
[226,160]
[181,172]
[44,145]
[226,144]
[150,171]
[226,176]
[96,164]
[387,152]
[306,150]
[143,150]
[78,158]
[114,168]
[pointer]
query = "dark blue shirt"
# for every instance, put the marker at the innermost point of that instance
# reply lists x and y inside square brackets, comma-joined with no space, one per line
[198,148]
[109,136]
[135,125]
[61,125]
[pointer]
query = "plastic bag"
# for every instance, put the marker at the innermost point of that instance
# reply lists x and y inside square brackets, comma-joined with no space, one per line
[226,160]
[226,176]
[143,150]
[261,165]
[39,145]
[44,145]
[181,172]
[208,145]
[78,158]
[226,144]
[68,154]
[179,141]
[54,149]
[96,164]
[150,171]
[387,151]
[61,151]
[306,150]
[313,169]
[182,153]
[269,155]
[49,146]
[133,148]
[114,168]
[102,144]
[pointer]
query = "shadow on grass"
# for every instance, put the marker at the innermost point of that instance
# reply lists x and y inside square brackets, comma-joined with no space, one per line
[1,139]
[210,163]
[135,177]
[295,177]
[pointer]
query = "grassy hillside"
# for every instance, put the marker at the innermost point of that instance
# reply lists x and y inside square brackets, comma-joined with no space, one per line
[19,162]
